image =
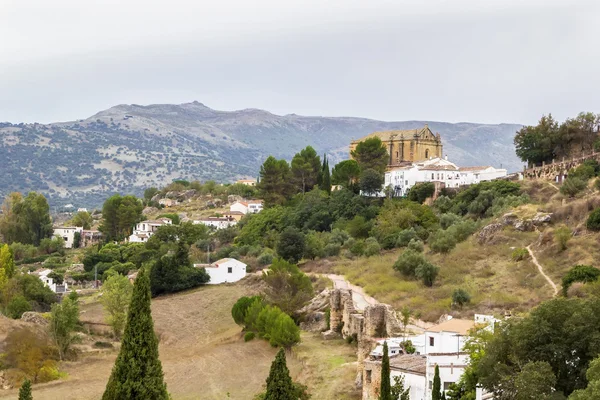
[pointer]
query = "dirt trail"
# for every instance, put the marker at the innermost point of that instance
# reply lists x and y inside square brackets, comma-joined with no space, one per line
[359,297]
[541,269]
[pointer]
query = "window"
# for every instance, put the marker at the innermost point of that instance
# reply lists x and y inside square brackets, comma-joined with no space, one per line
[427,153]
[393,351]
[229,270]
[447,386]
[432,341]
[432,176]
[368,378]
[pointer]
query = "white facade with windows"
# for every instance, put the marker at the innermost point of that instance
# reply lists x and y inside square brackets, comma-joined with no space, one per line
[68,234]
[226,270]
[145,229]
[247,207]
[49,282]
[217,222]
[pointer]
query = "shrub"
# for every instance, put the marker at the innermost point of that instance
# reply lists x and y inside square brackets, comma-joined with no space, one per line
[572,186]
[593,221]
[408,347]
[562,235]
[265,258]
[103,345]
[427,272]
[248,336]
[449,219]
[332,250]
[408,262]
[358,247]
[579,273]
[443,204]
[17,306]
[371,247]
[291,244]
[405,236]
[460,297]
[287,286]
[239,309]
[416,245]
[421,191]
[442,241]
[519,254]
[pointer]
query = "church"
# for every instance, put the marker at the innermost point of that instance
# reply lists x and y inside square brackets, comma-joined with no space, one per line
[407,146]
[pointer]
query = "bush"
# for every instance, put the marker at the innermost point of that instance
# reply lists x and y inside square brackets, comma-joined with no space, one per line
[460,297]
[265,258]
[421,191]
[332,250]
[593,221]
[519,254]
[357,248]
[579,273]
[442,241]
[562,235]
[427,273]
[248,336]
[405,236]
[408,347]
[408,262]
[291,244]
[449,219]
[17,306]
[371,247]
[572,186]
[239,309]
[416,245]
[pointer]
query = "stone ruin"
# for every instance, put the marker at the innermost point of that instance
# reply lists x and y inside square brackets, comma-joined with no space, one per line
[365,327]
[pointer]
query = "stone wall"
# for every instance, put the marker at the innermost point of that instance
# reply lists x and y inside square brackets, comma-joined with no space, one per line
[557,170]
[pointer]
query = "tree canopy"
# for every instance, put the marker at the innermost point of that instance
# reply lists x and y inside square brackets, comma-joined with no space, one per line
[25,219]
[119,215]
[371,154]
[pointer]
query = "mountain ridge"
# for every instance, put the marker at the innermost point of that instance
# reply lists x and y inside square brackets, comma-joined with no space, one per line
[128,147]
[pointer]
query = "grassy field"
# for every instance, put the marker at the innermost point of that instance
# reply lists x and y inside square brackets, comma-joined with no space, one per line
[204,356]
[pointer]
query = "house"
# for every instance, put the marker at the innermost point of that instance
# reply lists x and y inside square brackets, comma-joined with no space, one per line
[90,238]
[55,287]
[216,222]
[226,270]
[247,207]
[145,229]
[168,202]
[441,345]
[82,209]
[68,234]
[247,182]
[235,215]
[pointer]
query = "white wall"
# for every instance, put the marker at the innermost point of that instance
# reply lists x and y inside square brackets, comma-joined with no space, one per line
[237,206]
[221,273]
[416,383]
[68,234]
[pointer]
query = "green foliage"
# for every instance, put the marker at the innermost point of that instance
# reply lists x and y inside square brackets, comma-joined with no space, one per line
[427,272]
[406,236]
[593,221]
[563,234]
[265,258]
[585,171]
[116,296]
[137,373]
[421,191]
[149,194]
[408,347]
[174,273]
[51,246]
[306,168]
[83,219]
[119,215]
[248,336]
[332,250]
[17,306]
[291,244]
[371,247]
[7,262]
[398,390]
[63,321]
[442,241]
[371,154]
[478,199]
[449,219]
[76,240]
[460,297]
[398,215]
[275,185]
[258,228]
[279,382]
[535,381]
[25,390]
[579,273]
[371,181]
[346,174]
[34,290]
[287,286]
[443,204]
[436,391]
[25,220]
[413,264]
[385,390]
[314,245]
[519,254]
[572,186]
[238,312]
[536,144]
[172,216]
[592,391]
[416,245]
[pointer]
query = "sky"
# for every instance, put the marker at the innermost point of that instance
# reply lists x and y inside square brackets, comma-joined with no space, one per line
[461,60]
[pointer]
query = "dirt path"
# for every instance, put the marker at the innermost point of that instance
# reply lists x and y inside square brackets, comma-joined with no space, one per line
[541,269]
[554,186]
[359,297]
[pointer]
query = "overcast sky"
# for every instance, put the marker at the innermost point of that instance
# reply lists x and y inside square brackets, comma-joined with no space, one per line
[460,60]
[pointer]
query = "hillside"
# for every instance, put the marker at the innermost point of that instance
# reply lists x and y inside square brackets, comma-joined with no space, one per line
[129,147]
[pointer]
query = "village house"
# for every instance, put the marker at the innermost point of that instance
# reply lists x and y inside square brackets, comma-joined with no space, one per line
[235,215]
[168,202]
[247,207]
[216,222]
[226,270]
[43,273]
[145,229]
[441,345]
[90,238]
[247,182]
[68,234]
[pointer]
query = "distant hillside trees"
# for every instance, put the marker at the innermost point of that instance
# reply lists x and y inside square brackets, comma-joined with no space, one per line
[82,218]
[275,186]
[306,169]
[25,219]
[549,140]
[119,215]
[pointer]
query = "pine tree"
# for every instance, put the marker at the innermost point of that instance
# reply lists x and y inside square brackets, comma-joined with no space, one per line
[385,390]
[436,392]
[137,373]
[25,391]
[279,382]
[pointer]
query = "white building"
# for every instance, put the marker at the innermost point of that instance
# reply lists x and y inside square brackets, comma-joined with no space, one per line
[68,234]
[217,222]
[55,287]
[438,170]
[247,207]
[145,229]
[226,270]
[441,345]
[247,182]
[166,202]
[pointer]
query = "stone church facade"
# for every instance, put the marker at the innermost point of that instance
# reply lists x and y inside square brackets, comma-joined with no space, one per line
[407,146]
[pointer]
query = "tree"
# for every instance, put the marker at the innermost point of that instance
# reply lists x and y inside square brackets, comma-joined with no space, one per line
[406,314]
[385,390]
[436,391]
[325,176]
[427,272]
[460,297]
[76,240]
[119,215]
[291,244]
[398,391]
[306,167]
[137,373]
[371,154]
[274,186]
[593,221]
[279,382]
[579,273]
[346,174]
[82,218]
[371,181]
[572,186]
[535,381]
[562,235]
[25,390]
[239,309]
[421,191]
[149,194]
[7,262]
[116,296]
[287,287]
[537,144]
[592,391]
[63,321]
[25,220]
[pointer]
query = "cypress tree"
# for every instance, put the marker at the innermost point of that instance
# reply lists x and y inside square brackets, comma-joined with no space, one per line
[443,396]
[436,392]
[279,382]
[385,390]
[25,391]
[137,373]
[325,176]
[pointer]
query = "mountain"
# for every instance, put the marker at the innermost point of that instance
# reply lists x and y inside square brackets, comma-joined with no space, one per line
[130,147]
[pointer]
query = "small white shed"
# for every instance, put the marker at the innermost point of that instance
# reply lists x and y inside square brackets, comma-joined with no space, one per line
[226,270]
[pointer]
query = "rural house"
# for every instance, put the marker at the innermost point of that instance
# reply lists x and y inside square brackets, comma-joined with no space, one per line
[49,282]
[216,222]
[247,207]
[68,234]
[226,270]
[145,229]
